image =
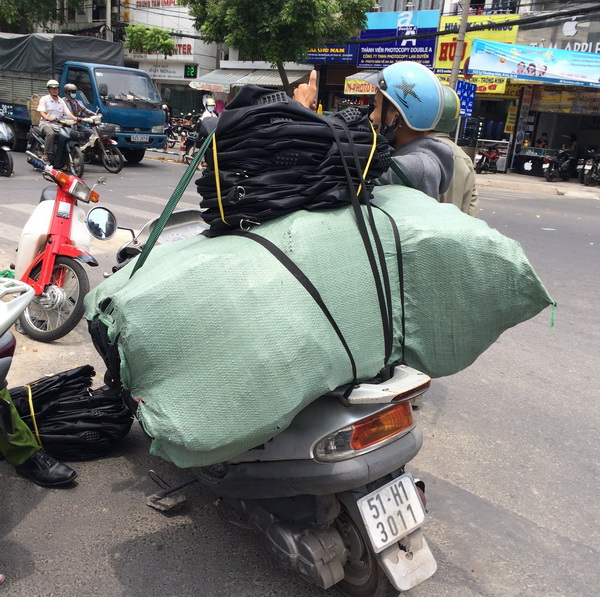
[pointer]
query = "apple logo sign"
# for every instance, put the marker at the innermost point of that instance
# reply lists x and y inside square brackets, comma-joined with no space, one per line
[570,28]
[528,165]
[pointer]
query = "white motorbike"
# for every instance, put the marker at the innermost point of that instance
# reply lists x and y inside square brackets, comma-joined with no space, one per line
[102,146]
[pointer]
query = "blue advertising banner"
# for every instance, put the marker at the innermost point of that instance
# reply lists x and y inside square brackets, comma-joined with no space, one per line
[466,94]
[391,24]
[534,64]
[333,55]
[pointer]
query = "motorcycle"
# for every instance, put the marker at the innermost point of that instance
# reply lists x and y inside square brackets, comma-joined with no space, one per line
[7,138]
[102,146]
[591,169]
[330,493]
[21,295]
[53,244]
[172,138]
[67,151]
[486,160]
[558,166]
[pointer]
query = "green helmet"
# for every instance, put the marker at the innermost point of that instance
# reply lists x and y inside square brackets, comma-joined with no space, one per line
[450,111]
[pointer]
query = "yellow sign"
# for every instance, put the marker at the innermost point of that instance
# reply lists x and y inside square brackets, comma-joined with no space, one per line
[358,87]
[511,120]
[447,46]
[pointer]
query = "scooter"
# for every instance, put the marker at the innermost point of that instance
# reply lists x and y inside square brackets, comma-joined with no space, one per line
[53,244]
[7,138]
[67,151]
[21,295]
[102,146]
[558,166]
[486,160]
[330,494]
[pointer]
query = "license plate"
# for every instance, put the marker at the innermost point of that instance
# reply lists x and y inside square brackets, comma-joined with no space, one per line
[587,167]
[392,512]
[140,138]
[545,166]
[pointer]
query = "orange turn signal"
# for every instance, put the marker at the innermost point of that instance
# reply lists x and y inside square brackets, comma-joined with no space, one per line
[381,426]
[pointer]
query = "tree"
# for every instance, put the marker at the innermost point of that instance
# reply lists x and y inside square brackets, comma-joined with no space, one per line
[145,40]
[23,16]
[277,31]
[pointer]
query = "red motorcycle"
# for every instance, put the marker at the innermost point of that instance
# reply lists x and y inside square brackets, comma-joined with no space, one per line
[486,160]
[53,244]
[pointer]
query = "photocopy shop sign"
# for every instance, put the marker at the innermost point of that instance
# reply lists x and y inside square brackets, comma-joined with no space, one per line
[535,64]
[502,30]
[378,55]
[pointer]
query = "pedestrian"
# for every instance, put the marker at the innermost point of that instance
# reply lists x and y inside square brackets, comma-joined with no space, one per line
[78,109]
[210,108]
[542,141]
[52,109]
[462,191]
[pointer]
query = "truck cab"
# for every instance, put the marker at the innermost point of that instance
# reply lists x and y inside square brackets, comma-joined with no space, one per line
[126,97]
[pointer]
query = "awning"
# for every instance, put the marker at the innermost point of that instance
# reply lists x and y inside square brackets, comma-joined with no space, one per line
[223,79]
[220,80]
[356,85]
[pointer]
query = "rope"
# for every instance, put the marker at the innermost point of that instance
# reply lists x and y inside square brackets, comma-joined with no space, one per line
[32,410]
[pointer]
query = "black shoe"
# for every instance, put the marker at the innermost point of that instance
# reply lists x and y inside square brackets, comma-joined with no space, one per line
[45,470]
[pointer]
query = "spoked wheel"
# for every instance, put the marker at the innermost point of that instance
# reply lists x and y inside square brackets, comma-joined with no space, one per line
[59,309]
[479,167]
[171,140]
[363,576]
[76,163]
[549,174]
[190,152]
[112,159]
[6,163]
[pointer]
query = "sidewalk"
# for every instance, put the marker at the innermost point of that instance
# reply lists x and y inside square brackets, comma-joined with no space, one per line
[535,185]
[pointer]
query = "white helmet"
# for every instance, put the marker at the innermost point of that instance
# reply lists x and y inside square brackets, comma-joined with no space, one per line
[52,83]
[210,102]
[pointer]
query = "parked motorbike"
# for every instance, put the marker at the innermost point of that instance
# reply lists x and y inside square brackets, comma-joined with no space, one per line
[486,160]
[330,494]
[558,166]
[591,169]
[172,138]
[102,146]
[53,244]
[20,295]
[195,138]
[67,151]
[7,139]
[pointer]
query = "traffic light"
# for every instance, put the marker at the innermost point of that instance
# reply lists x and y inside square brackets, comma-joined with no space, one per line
[190,71]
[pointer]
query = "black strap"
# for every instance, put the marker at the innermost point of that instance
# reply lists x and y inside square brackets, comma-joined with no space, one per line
[309,287]
[364,233]
[399,256]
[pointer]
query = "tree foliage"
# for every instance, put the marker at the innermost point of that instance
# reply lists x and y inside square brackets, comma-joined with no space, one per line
[149,40]
[23,16]
[277,31]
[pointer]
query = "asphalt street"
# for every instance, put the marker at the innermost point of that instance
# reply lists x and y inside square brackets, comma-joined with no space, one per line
[510,457]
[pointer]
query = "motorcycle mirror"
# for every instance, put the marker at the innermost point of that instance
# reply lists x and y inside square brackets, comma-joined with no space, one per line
[101,223]
[101,180]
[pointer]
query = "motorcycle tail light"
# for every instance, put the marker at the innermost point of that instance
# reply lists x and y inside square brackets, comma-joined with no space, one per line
[366,435]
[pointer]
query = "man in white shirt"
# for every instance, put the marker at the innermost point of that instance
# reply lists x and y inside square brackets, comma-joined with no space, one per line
[51,109]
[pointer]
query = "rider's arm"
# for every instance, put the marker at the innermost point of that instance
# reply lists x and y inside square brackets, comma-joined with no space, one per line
[306,94]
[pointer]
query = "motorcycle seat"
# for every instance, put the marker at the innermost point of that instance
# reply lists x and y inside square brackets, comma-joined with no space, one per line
[48,194]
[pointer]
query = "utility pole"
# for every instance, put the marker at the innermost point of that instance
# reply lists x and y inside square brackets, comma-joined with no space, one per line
[460,42]
[109,33]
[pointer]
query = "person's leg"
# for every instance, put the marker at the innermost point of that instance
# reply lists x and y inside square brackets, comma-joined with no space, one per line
[23,444]
[49,138]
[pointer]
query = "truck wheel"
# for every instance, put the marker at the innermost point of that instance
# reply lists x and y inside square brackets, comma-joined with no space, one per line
[133,156]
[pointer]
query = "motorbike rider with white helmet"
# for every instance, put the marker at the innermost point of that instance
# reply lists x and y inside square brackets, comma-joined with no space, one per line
[52,108]
[408,105]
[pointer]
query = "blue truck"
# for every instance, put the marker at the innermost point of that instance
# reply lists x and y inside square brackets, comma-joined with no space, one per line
[126,97]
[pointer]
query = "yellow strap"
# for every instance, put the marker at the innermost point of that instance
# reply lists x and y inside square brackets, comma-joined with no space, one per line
[37,433]
[373,147]
[217,181]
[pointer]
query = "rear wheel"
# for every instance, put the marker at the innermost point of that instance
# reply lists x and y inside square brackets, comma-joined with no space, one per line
[363,576]
[587,177]
[6,163]
[76,162]
[549,173]
[112,159]
[59,308]
[133,156]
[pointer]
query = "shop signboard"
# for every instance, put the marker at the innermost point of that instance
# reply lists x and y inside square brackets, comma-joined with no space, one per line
[466,94]
[378,55]
[534,64]
[503,31]
[566,101]
[345,54]
[511,120]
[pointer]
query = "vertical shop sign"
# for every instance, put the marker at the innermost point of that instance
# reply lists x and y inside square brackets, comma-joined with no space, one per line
[511,119]
[466,94]
[522,123]
[378,55]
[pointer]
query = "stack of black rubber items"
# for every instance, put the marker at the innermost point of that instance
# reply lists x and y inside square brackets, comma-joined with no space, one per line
[275,157]
[72,421]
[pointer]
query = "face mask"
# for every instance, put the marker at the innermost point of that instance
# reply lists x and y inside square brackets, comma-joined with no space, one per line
[210,108]
[73,95]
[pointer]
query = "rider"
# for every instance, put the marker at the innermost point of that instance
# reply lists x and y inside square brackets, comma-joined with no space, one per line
[78,109]
[408,105]
[463,190]
[52,109]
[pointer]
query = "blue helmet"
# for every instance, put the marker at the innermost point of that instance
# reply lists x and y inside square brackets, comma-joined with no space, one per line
[413,90]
